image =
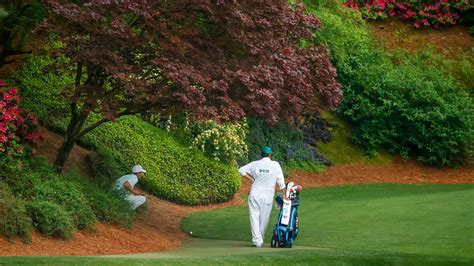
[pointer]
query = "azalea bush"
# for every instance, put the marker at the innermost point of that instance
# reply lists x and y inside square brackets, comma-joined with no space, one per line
[423,13]
[18,128]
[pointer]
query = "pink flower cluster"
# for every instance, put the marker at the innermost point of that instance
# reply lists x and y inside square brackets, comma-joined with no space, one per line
[423,13]
[17,127]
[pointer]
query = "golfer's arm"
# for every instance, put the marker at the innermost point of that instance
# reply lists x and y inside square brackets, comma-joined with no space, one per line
[128,187]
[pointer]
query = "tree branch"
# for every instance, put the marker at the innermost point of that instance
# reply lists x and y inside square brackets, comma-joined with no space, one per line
[98,123]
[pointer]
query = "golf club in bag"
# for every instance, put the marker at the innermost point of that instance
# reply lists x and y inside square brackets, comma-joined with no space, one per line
[286,228]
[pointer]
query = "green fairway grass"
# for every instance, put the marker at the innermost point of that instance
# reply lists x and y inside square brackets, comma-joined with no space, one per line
[223,252]
[433,220]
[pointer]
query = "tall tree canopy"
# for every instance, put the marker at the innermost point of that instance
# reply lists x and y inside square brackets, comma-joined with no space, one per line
[217,59]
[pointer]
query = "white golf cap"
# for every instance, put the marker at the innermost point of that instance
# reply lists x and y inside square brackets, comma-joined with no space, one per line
[138,169]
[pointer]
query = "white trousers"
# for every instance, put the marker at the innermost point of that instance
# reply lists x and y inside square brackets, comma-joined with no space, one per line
[136,201]
[260,208]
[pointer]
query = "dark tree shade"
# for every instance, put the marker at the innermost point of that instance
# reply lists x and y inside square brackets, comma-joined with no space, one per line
[217,59]
[17,19]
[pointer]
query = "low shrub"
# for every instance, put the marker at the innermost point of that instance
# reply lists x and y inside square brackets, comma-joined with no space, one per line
[14,220]
[105,167]
[110,206]
[69,195]
[83,200]
[33,185]
[412,111]
[50,219]
[224,142]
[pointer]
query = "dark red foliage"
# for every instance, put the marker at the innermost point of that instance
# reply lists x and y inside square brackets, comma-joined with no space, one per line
[217,59]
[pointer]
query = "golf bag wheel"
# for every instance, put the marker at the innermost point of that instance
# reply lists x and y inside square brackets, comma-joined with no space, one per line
[281,244]
[274,241]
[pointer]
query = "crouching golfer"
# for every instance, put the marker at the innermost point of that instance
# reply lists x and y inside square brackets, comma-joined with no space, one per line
[128,182]
[263,174]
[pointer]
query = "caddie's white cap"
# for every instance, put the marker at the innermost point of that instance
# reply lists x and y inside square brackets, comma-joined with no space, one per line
[138,169]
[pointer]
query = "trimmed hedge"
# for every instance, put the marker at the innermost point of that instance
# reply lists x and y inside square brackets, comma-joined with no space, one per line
[174,172]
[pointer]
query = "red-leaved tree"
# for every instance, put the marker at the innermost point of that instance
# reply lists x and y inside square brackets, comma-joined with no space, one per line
[216,59]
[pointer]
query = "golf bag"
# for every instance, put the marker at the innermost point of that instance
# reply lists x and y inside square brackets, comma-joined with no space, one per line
[286,228]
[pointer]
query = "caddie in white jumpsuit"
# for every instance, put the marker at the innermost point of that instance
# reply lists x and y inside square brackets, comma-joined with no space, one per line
[128,182]
[264,174]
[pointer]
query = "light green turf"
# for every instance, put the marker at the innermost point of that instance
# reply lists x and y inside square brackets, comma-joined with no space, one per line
[222,252]
[433,220]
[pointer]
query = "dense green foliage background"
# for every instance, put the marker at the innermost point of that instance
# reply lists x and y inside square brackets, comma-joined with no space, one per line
[396,101]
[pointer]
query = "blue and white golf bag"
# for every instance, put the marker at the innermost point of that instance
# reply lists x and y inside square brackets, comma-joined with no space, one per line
[286,228]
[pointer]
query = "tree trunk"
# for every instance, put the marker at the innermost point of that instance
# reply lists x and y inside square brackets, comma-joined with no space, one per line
[74,132]
[63,154]
[72,135]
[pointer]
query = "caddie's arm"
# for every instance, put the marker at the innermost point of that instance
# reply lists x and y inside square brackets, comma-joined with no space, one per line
[281,181]
[249,177]
[245,170]
[129,187]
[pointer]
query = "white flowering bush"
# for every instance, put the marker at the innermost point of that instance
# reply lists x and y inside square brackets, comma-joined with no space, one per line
[224,142]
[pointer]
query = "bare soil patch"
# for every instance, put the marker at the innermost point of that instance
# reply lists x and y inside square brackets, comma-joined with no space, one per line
[394,33]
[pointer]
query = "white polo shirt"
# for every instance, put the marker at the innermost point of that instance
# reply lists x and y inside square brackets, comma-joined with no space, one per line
[131,178]
[266,174]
